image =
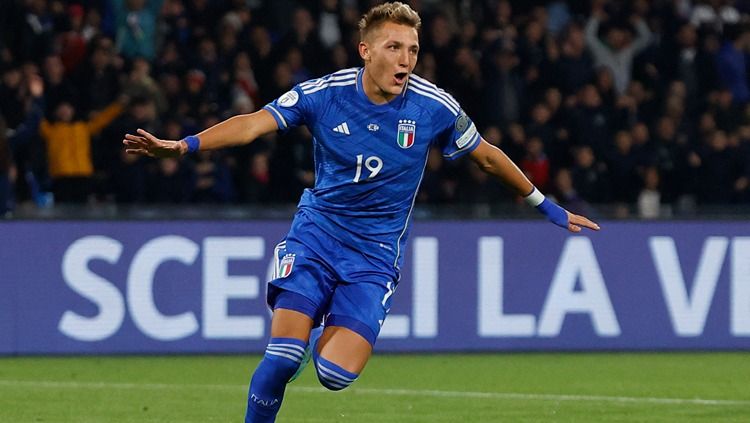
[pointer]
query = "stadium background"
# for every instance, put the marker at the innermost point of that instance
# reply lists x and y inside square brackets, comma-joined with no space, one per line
[634,113]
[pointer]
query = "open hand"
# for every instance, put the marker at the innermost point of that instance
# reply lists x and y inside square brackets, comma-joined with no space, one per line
[576,223]
[145,144]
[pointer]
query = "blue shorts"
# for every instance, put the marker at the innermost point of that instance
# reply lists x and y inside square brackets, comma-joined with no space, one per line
[330,282]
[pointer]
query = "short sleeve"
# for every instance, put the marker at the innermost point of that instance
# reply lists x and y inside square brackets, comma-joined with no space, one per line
[457,134]
[291,109]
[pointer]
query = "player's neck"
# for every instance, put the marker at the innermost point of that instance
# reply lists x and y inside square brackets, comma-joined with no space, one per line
[373,92]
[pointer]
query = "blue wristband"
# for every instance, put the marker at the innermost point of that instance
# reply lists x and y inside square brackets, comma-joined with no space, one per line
[193,143]
[554,213]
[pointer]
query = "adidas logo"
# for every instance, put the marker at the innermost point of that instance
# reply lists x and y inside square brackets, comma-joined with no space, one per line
[342,128]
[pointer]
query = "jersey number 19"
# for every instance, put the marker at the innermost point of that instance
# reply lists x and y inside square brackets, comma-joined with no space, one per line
[373,163]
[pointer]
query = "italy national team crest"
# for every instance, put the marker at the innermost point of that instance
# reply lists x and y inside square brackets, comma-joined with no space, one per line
[407,133]
[285,267]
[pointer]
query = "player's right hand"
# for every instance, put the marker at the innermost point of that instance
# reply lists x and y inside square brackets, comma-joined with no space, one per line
[576,223]
[145,144]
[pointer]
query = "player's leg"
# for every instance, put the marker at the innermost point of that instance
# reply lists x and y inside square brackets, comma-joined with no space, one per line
[340,356]
[315,334]
[301,288]
[298,293]
[357,310]
[290,330]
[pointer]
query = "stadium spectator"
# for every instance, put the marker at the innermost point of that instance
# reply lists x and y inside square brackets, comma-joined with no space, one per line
[212,179]
[591,121]
[245,84]
[535,164]
[136,22]
[140,84]
[649,199]
[669,154]
[72,41]
[623,167]
[618,52]
[169,182]
[718,170]
[504,92]
[566,194]
[9,138]
[575,67]
[59,87]
[329,30]
[256,186]
[97,78]
[680,62]
[731,63]
[129,179]
[302,37]
[11,95]
[36,29]
[68,142]
[589,176]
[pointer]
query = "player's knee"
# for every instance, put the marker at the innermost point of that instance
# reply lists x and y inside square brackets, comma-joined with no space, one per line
[333,376]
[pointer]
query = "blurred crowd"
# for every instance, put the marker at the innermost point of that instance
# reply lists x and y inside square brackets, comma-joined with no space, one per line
[640,105]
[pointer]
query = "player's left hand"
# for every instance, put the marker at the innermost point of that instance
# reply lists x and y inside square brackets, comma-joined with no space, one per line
[576,223]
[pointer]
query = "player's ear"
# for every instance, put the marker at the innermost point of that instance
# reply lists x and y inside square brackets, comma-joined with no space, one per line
[364,51]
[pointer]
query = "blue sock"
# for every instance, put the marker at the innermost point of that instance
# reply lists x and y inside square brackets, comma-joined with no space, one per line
[282,358]
[333,376]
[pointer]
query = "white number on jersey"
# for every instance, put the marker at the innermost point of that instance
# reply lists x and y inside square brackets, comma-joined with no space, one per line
[373,163]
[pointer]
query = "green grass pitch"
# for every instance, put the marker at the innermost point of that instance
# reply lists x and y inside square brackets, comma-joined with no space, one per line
[535,387]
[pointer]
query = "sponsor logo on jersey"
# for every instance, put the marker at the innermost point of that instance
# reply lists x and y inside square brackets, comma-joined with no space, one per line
[407,130]
[342,128]
[289,99]
[373,127]
[285,267]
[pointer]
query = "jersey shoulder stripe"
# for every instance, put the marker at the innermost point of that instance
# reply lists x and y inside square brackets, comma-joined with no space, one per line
[429,86]
[434,96]
[337,74]
[342,75]
[328,78]
[330,84]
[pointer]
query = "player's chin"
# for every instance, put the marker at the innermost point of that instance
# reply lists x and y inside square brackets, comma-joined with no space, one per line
[397,87]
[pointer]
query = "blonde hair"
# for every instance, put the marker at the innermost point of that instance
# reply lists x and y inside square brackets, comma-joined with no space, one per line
[396,12]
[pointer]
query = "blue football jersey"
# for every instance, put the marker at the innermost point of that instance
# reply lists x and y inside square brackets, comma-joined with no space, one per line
[370,158]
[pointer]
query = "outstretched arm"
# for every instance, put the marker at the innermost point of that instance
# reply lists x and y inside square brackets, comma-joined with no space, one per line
[643,35]
[492,160]
[237,130]
[598,49]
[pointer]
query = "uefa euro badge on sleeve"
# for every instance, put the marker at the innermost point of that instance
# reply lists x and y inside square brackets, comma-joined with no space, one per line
[407,130]
[462,122]
[285,267]
[289,99]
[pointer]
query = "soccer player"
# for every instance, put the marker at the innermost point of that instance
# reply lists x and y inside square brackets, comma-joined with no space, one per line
[339,264]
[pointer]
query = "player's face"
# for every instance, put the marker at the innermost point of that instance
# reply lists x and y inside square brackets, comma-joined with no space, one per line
[390,54]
